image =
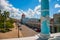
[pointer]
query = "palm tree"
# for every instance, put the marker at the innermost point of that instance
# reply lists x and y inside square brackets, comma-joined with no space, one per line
[0,14]
[6,15]
[1,20]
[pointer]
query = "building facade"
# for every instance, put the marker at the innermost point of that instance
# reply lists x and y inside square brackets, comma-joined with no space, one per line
[56,22]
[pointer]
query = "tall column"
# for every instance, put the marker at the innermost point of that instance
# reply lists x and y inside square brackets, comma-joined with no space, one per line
[45,24]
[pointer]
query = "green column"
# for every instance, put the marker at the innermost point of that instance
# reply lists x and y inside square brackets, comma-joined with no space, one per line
[45,17]
[45,23]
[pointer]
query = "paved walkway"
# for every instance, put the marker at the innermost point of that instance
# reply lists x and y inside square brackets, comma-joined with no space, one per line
[25,32]
[24,38]
[11,34]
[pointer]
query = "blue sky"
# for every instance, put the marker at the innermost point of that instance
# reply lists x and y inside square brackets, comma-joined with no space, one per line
[24,4]
[31,8]
[54,7]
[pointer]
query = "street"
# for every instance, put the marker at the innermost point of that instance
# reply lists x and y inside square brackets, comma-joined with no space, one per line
[24,32]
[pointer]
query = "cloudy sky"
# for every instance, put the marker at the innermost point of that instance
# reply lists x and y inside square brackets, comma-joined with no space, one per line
[31,8]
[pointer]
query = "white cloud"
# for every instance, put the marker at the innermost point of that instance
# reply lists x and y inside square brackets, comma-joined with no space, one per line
[57,6]
[31,13]
[5,5]
[37,9]
[39,0]
[58,10]
[49,0]
[57,0]
[16,13]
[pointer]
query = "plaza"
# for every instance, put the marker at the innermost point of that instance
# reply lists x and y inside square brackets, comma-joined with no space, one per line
[21,30]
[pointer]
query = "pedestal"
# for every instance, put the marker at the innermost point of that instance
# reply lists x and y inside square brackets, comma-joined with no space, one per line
[43,36]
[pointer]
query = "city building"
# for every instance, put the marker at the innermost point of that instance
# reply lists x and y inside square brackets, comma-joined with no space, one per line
[33,22]
[51,25]
[56,22]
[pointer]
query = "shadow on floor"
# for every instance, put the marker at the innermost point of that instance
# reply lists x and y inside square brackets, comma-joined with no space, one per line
[42,38]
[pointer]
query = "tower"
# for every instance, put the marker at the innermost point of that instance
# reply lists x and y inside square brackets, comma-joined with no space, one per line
[22,17]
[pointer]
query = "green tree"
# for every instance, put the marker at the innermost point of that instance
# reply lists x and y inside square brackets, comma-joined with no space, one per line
[1,20]
[6,15]
[0,15]
[4,23]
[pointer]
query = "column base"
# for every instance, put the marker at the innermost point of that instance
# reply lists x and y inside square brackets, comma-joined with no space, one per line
[43,36]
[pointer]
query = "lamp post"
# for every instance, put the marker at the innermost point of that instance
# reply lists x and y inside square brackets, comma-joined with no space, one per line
[18,28]
[18,31]
[19,25]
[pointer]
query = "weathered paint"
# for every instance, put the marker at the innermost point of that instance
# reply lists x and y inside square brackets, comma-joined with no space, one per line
[45,17]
